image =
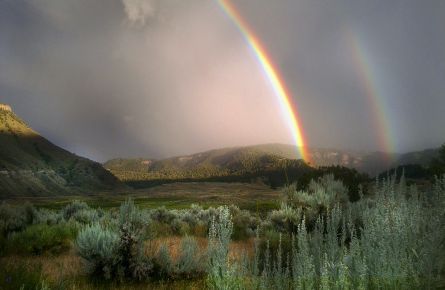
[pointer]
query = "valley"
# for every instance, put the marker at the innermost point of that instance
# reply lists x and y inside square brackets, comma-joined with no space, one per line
[253,197]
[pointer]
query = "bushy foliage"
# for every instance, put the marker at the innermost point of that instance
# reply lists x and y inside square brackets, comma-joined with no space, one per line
[15,218]
[194,221]
[392,238]
[71,209]
[244,224]
[321,194]
[80,212]
[97,246]
[354,181]
[164,262]
[116,251]
[286,219]
[190,262]
[222,273]
[130,258]
[42,238]
[49,217]
[398,244]
[437,165]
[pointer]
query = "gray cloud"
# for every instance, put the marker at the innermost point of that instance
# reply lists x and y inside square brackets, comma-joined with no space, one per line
[138,11]
[157,78]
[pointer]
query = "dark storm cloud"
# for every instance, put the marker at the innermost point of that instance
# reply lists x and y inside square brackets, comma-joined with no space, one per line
[155,78]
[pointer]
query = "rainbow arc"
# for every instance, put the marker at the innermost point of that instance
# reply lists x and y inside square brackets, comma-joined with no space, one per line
[288,107]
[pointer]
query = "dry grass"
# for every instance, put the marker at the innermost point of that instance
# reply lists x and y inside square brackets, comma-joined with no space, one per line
[66,271]
[54,268]
[174,246]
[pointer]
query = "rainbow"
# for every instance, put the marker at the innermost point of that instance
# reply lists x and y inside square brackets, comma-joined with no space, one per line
[375,97]
[272,75]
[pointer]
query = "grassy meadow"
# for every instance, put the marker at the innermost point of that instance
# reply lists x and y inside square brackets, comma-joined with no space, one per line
[178,195]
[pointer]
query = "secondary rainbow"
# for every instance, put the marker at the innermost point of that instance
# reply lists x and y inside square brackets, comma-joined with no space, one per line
[272,75]
[374,92]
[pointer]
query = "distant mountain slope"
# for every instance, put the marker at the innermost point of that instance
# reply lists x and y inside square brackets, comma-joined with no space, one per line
[130,164]
[31,165]
[254,157]
[418,157]
[224,160]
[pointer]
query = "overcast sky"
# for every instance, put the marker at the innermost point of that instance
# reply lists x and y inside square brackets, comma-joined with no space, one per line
[126,78]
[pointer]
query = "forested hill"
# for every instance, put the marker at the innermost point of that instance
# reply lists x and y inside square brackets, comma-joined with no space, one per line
[259,156]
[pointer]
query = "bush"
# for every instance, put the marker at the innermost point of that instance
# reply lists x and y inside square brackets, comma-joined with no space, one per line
[131,261]
[87,216]
[42,238]
[15,218]
[116,252]
[71,209]
[97,246]
[164,263]
[222,273]
[399,245]
[163,215]
[190,262]
[49,217]
[321,195]
[244,224]
[286,219]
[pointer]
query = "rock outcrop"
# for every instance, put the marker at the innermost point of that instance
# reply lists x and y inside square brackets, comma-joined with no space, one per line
[5,107]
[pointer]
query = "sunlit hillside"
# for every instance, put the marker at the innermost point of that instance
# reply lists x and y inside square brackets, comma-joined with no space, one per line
[31,165]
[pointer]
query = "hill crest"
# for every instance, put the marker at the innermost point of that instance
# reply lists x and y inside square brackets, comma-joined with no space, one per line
[32,165]
[5,107]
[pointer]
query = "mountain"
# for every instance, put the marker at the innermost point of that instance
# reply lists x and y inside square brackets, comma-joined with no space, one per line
[248,158]
[32,165]
[422,158]
[266,163]
[222,161]
[243,158]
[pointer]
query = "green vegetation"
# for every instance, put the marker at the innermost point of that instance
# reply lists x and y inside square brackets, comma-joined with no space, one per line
[438,164]
[392,241]
[247,166]
[228,164]
[24,277]
[42,238]
[390,238]
[421,168]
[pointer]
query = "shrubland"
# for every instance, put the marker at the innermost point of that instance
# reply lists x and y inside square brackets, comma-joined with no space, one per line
[390,237]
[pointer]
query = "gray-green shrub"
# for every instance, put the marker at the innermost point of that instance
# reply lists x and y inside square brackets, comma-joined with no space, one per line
[15,218]
[97,245]
[398,244]
[72,208]
[117,251]
[222,273]
[190,262]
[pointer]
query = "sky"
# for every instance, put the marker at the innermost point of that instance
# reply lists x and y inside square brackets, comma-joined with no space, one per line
[158,78]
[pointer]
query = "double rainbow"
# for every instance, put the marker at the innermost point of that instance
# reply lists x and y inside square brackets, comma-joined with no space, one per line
[276,81]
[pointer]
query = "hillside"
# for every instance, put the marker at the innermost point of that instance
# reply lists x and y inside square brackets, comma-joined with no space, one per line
[31,165]
[259,157]
[268,163]
[248,157]
[209,163]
